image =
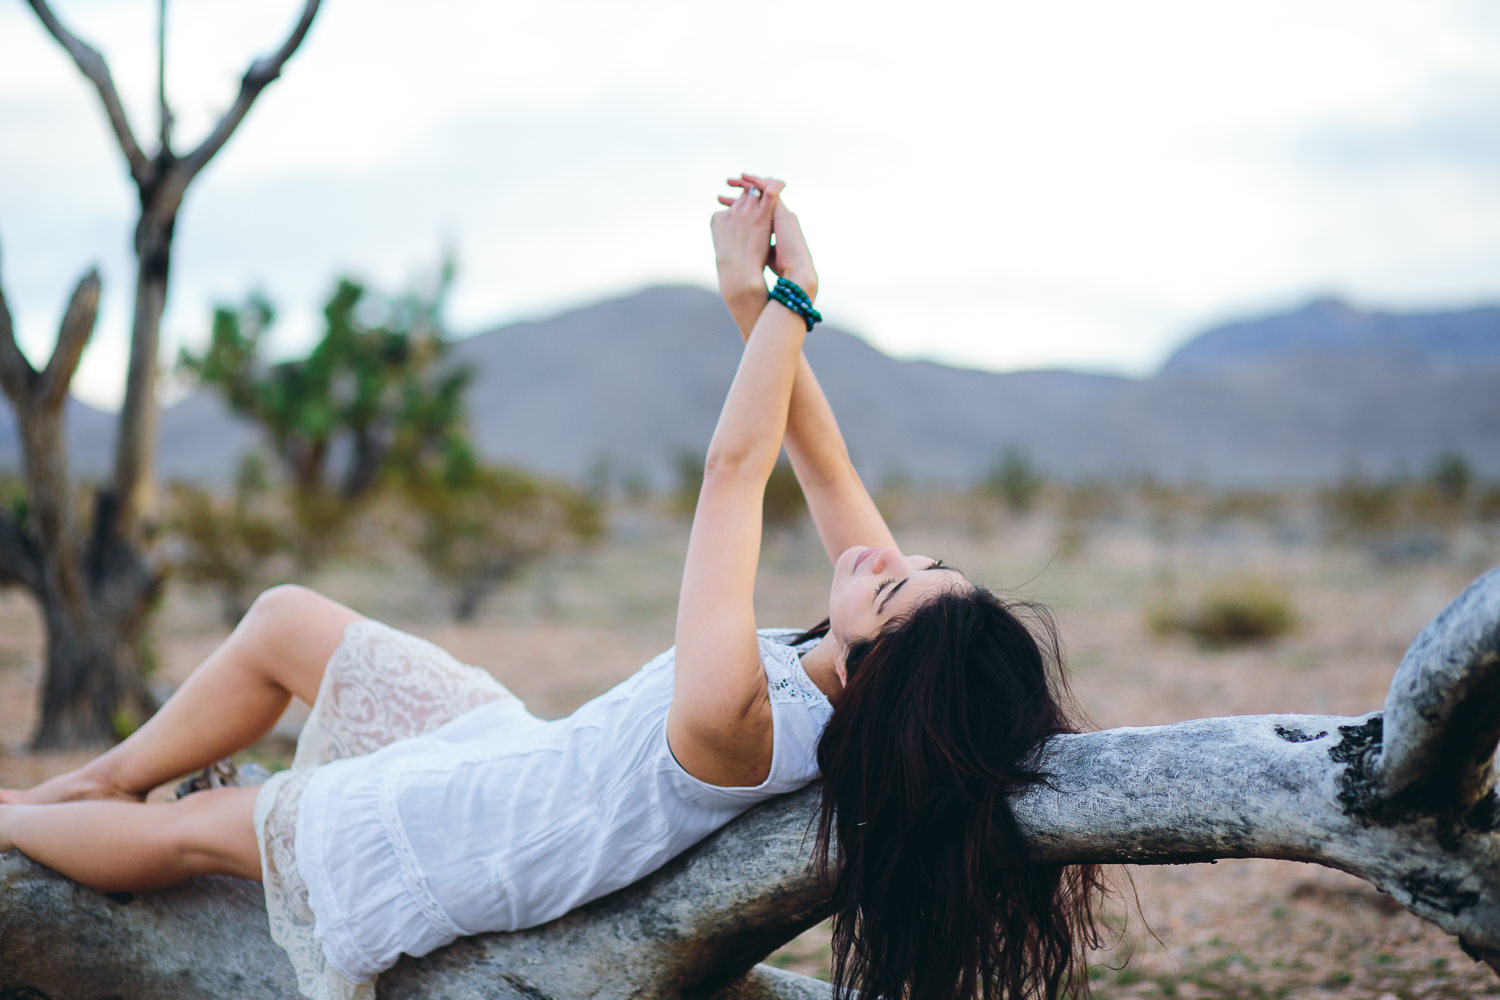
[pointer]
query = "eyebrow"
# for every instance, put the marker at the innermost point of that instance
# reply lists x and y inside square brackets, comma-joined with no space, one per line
[890,594]
[936,564]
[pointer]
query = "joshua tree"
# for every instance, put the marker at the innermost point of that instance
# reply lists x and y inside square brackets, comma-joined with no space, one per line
[95,581]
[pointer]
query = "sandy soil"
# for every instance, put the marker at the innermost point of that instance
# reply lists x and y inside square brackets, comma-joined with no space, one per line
[1235,929]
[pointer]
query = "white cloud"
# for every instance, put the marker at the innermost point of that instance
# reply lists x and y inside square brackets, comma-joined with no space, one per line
[997,184]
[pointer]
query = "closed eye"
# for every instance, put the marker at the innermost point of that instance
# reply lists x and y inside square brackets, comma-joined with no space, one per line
[883,584]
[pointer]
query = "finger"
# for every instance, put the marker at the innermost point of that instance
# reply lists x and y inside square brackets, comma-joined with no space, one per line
[724,199]
[748,201]
[771,185]
[764,183]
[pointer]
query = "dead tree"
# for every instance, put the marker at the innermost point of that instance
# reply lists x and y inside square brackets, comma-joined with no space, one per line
[1403,798]
[96,585]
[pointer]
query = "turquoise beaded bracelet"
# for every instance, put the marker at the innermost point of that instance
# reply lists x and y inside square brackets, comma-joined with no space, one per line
[789,294]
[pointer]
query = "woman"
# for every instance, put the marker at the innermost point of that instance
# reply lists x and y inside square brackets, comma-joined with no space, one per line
[425,803]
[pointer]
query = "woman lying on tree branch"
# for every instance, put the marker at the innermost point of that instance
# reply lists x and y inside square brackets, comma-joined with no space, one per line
[425,803]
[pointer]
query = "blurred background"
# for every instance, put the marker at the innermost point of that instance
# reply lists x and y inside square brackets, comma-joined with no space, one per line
[1183,318]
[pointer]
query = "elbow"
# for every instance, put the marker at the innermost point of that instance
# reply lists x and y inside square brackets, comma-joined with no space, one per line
[736,467]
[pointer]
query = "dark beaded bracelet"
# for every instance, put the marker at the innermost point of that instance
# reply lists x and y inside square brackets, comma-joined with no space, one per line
[791,295]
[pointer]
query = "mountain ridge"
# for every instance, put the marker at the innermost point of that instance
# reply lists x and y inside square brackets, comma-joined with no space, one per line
[1296,397]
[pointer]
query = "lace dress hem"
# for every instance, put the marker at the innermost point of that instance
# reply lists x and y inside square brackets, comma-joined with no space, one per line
[381,685]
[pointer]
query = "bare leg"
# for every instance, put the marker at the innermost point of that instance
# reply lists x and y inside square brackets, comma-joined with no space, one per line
[230,701]
[135,846]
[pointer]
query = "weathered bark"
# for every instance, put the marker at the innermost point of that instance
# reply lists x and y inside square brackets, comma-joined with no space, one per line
[1308,788]
[92,591]
[96,591]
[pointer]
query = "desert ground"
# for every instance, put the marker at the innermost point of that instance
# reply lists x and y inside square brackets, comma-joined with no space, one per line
[1235,929]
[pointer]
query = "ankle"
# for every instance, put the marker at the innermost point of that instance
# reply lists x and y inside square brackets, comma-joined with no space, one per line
[106,778]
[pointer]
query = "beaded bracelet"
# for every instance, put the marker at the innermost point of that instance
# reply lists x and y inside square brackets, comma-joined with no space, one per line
[789,294]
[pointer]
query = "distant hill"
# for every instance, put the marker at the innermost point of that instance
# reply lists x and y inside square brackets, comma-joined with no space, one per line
[1300,397]
[1331,329]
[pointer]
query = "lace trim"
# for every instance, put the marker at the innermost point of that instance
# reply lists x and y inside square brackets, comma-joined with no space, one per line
[786,681]
[293,925]
[380,685]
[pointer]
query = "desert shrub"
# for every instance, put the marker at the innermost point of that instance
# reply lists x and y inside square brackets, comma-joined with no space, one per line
[478,527]
[1245,505]
[1358,507]
[1451,477]
[1233,613]
[230,544]
[1487,503]
[687,469]
[1014,480]
[784,506]
[1093,500]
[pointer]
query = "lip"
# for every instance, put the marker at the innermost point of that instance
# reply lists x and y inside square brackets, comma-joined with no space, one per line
[861,558]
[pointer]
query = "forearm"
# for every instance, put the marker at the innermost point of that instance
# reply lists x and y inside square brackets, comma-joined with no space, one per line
[841,507]
[753,421]
[813,440]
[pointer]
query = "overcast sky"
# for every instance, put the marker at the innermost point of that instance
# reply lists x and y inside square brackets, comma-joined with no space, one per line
[1080,183]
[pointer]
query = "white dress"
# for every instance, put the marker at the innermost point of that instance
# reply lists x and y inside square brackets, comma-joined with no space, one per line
[425,803]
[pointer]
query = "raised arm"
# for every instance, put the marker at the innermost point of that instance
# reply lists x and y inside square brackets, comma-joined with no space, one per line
[719,725]
[841,507]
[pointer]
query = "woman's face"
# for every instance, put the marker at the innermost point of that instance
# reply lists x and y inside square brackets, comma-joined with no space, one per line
[871,586]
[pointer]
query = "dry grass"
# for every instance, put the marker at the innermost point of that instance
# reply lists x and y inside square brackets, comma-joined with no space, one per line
[1241,929]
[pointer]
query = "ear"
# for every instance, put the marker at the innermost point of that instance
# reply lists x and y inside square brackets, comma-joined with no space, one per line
[839,668]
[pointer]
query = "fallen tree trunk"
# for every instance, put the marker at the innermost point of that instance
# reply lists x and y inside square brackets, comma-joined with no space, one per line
[1403,798]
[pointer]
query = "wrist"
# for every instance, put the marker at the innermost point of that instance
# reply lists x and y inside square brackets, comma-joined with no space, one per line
[743,293]
[805,279]
[794,297]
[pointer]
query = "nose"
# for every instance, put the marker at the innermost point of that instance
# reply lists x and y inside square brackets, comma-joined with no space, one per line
[886,558]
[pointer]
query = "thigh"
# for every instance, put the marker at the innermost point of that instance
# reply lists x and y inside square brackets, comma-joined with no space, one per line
[383,685]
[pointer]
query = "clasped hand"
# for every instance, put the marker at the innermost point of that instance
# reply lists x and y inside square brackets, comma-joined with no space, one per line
[742,241]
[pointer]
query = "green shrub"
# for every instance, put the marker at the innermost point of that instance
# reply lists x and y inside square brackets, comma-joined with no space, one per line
[1235,613]
[784,507]
[1014,480]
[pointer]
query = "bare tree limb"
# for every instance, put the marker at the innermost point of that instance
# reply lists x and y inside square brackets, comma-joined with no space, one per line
[16,374]
[92,65]
[1442,714]
[72,337]
[1299,787]
[161,75]
[260,73]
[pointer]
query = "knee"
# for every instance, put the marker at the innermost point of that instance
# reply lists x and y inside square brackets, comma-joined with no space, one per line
[288,610]
[276,605]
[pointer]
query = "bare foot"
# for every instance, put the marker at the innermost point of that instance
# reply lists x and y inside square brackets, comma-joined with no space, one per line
[69,787]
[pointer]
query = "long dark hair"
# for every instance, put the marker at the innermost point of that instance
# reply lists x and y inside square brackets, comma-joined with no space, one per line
[939,724]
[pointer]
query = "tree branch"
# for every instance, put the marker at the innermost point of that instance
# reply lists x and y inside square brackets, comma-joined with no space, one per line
[260,73]
[16,374]
[161,75]
[1442,714]
[1283,786]
[92,65]
[72,337]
